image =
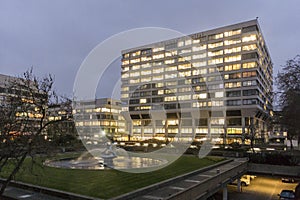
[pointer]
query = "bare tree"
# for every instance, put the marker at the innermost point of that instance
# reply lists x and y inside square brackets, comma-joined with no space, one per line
[288,83]
[23,121]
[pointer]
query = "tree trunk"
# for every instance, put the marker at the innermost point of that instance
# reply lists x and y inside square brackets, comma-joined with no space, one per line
[291,142]
[12,174]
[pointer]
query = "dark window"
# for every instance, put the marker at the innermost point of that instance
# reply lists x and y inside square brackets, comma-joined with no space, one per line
[249,56]
[250,29]
[234,122]
[233,113]
[233,94]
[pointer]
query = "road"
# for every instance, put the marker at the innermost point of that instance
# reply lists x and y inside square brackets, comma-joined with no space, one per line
[261,188]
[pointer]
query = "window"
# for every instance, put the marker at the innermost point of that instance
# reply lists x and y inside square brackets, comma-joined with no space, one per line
[199,71]
[232,76]
[234,131]
[249,38]
[250,92]
[215,45]
[231,42]
[250,101]
[249,83]
[199,56]
[158,49]
[249,74]
[232,58]
[170,61]
[217,121]
[215,36]
[158,56]
[146,65]
[146,58]
[199,64]
[232,50]
[135,60]
[249,56]
[157,78]
[249,65]
[134,80]
[215,61]
[231,33]
[125,62]
[215,53]
[199,47]
[183,51]
[233,93]
[126,75]
[158,70]
[184,66]
[219,94]
[143,100]
[137,53]
[146,72]
[233,102]
[217,103]
[147,79]
[172,68]
[249,47]
[232,67]
[200,96]
[134,74]
[168,76]
[184,97]
[232,84]
[234,121]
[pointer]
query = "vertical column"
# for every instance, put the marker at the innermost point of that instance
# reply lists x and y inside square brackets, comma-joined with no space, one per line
[208,128]
[225,192]
[239,185]
[243,129]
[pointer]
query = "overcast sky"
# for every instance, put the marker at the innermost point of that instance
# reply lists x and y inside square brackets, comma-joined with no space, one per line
[54,36]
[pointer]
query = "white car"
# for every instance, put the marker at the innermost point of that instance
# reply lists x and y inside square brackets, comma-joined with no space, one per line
[245,180]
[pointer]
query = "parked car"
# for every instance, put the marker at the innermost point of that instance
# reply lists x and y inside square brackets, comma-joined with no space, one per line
[287,194]
[288,180]
[245,180]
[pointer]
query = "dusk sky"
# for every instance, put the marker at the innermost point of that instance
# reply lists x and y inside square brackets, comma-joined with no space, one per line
[54,36]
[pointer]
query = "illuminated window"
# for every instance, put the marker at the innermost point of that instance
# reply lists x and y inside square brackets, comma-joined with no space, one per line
[125,69]
[134,80]
[158,70]
[232,58]
[135,60]
[249,74]
[215,45]
[249,38]
[186,73]
[146,58]
[158,85]
[232,76]
[158,49]
[219,94]
[232,67]
[199,56]
[146,72]
[134,74]
[196,41]
[199,47]
[158,56]
[249,47]
[184,66]
[137,122]
[185,51]
[173,122]
[145,107]
[188,42]
[168,76]
[232,50]
[160,92]
[170,98]
[124,95]
[215,53]
[146,79]
[185,89]
[180,43]
[143,100]
[184,97]
[201,130]
[231,33]
[199,64]
[123,89]
[217,121]
[215,61]
[126,55]
[125,62]
[126,75]
[234,131]
[156,78]
[200,96]
[230,42]
[232,84]
[170,61]
[199,71]
[171,68]
[249,65]
[146,65]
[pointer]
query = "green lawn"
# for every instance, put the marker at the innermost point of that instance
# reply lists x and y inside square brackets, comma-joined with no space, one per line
[106,183]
